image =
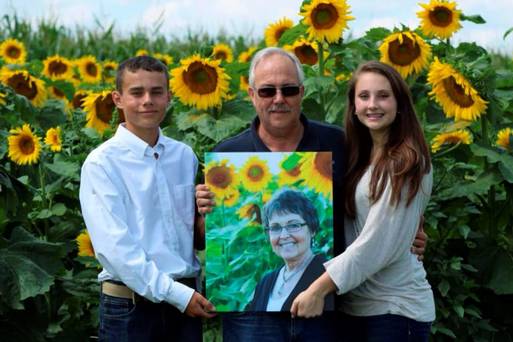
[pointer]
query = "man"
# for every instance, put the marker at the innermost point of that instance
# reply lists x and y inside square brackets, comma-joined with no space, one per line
[276,90]
[137,198]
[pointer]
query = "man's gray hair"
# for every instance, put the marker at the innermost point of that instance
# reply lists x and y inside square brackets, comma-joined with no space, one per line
[274,51]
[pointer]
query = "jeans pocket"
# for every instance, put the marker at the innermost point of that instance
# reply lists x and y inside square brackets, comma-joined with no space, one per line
[115,307]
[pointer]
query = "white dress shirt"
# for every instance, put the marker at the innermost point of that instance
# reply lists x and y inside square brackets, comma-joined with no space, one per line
[378,269]
[138,206]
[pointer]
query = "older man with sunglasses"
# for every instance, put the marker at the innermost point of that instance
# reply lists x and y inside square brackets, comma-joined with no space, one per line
[276,90]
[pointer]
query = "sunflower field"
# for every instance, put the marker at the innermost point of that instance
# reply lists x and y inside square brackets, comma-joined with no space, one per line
[55,107]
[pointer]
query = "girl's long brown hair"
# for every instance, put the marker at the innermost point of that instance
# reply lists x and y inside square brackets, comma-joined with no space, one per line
[405,158]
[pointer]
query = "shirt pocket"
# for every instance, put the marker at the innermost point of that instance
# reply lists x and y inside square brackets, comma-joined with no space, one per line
[184,203]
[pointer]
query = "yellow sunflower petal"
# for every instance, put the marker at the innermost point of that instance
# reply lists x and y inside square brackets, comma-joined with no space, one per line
[439,18]
[53,139]
[454,93]
[58,68]
[245,56]
[24,145]
[90,70]
[109,71]
[306,51]
[504,138]
[13,51]
[99,108]
[85,246]
[461,136]
[199,82]
[255,174]
[406,51]
[164,58]
[222,52]
[274,31]
[25,84]
[326,19]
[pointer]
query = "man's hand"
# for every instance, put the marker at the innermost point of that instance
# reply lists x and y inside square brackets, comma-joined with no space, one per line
[204,199]
[419,244]
[199,306]
[307,304]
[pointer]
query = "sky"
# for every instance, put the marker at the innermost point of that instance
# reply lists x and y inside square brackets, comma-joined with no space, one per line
[250,17]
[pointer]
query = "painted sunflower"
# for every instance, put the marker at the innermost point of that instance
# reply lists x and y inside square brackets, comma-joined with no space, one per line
[221,179]
[326,19]
[85,246]
[99,108]
[288,177]
[25,84]
[231,197]
[222,52]
[24,145]
[255,174]
[53,139]
[439,18]
[317,172]
[461,136]
[252,212]
[454,93]
[109,71]
[505,138]
[406,51]
[306,51]
[245,56]
[58,68]
[199,82]
[13,51]
[90,70]
[164,58]
[274,31]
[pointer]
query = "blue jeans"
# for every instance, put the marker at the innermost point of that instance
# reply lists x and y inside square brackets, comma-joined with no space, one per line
[385,328]
[122,320]
[277,326]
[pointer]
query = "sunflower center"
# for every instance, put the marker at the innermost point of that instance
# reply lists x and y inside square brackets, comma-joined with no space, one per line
[255,173]
[27,145]
[324,16]
[219,176]
[200,78]
[57,68]
[77,100]
[457,93]
[452,140]
[221,55]
[322,164]
[403,53]
[279,32]
[104,108]
[440,16]
[91,69]
[57,92]
[23,86]
[306,54]
[294,172]
[13,52]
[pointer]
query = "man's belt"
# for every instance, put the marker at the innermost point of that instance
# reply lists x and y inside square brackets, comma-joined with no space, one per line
[118,289]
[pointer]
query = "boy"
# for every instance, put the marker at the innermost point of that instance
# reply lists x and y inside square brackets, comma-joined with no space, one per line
[137,198]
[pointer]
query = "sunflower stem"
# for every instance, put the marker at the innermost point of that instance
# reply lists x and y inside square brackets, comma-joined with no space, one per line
[44,200]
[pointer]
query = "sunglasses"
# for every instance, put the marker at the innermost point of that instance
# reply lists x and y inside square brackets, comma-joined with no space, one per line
[286,91]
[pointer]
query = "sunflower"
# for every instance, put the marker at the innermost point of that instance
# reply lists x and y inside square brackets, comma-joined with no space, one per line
[255,174]
[245,56]
[344,76]
[461,136]
[199,82]
[164,58]
[85,246]
[109,71]
[231,198]
[439,18]
[222,52]
[316,170]
[25,84]
[252,212]
[53,139]
[244,83]
[13,51]
[326,19]
[58,68]
[99,108]
[142,52]
[454,92]
[288,177]
[78,99]
[274,31]
[306,51]
[24,145]
[504,138]
[2,99]
[221,178]
[90,70]
[406,51]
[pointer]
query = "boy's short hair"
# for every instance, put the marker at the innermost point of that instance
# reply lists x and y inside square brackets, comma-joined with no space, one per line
[133,64]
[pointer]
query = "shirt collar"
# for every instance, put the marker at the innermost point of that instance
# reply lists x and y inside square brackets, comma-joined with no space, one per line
[138,146]
[309,141]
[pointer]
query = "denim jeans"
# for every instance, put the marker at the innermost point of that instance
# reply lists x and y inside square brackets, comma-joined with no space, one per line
[277,326]
[122,320]
[385,328]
